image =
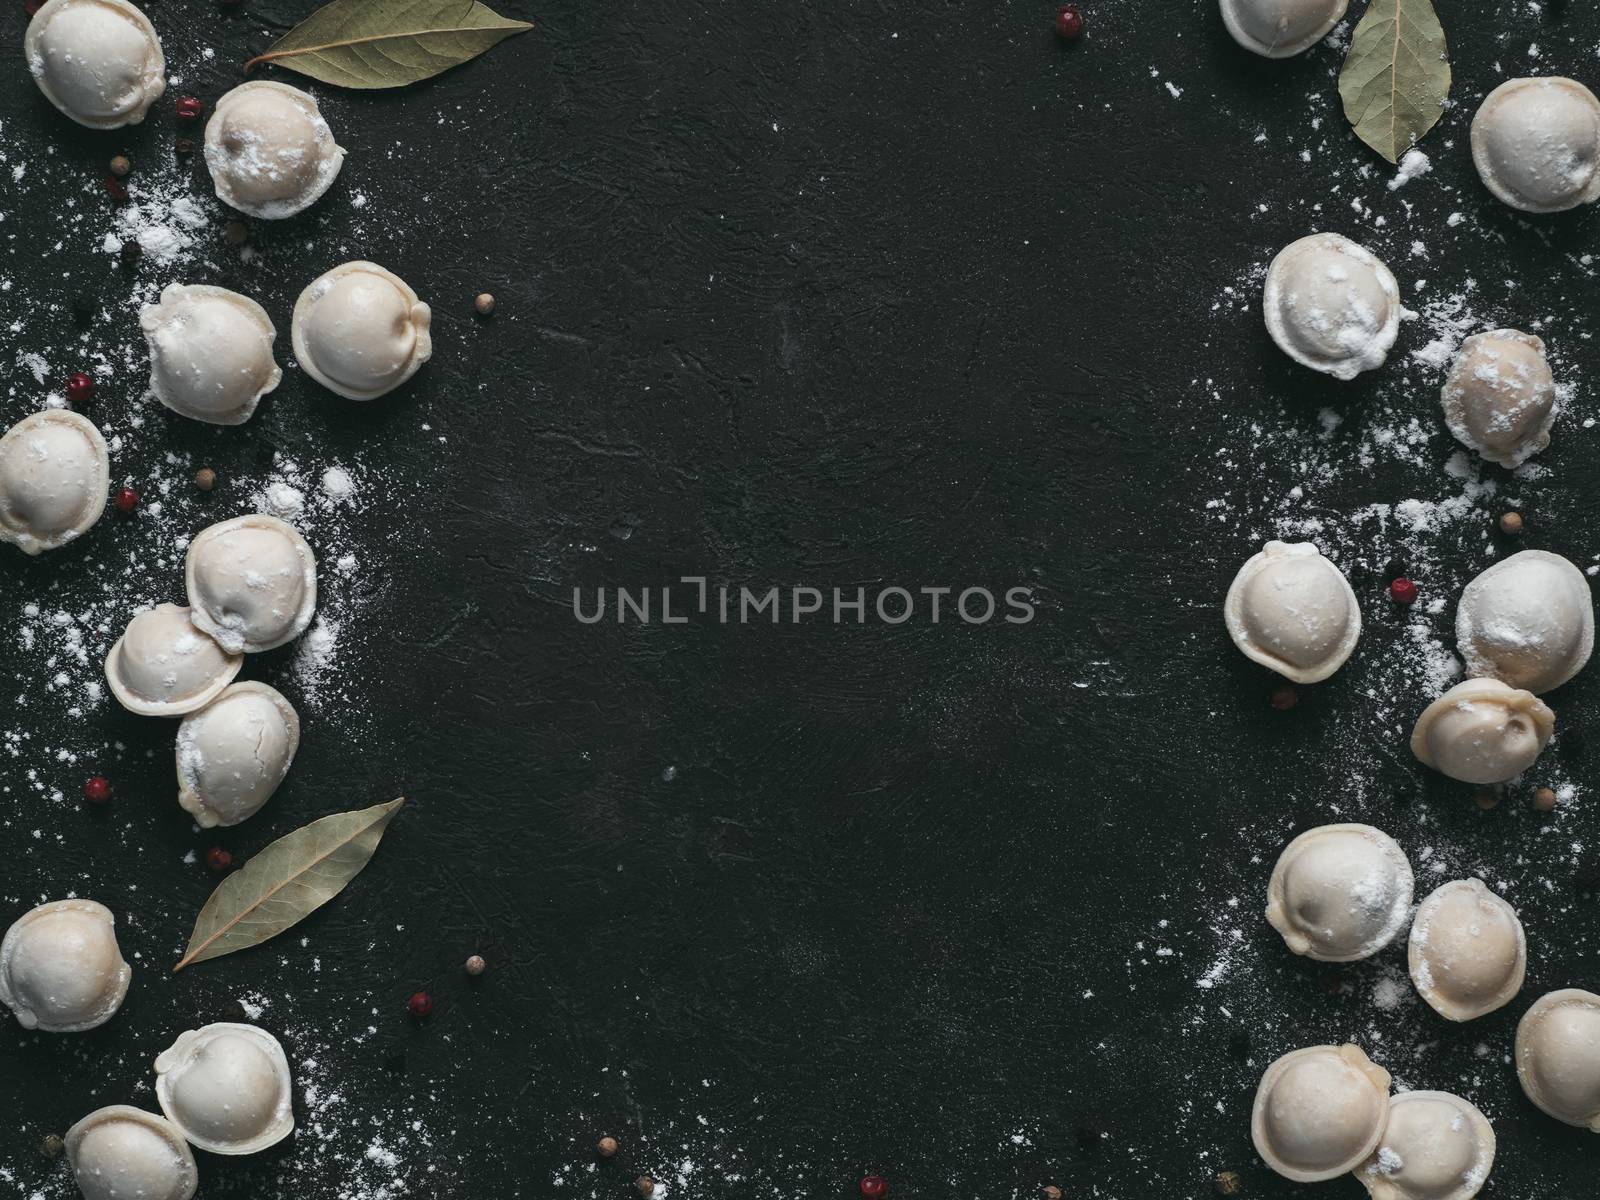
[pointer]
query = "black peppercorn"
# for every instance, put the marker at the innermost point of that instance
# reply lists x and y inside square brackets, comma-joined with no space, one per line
[1239,1045]
[1090,1134]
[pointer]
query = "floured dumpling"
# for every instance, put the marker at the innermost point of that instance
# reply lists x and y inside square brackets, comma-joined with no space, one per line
[98,61]
[1331,305]
[269,151]
[162,666]
[234,752]
[1279,28]
[1482,731]
[1535,143]
[125,1153]
[1319,1112]
[54,475]
[1527,621]
[1500,397]
[1467,953]
[360,331]
[1436,1147]
[1291,610]
[210,352]
[1340,892]
[1558,1056]
[252,583]
[227,1088]
[60,968]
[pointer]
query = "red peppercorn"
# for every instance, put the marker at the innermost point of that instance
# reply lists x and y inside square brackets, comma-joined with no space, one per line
[189,108]
[218,859]
[97,790]
[79,387]
[1403,591]
[126,499]
[32,6]
[116,189]
[1069,23]
[873,1186]
[420,1004]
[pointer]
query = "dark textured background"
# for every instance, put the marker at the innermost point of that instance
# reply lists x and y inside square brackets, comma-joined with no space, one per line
[851,294]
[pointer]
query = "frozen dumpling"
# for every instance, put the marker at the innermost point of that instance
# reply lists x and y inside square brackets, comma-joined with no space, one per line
[1482,731]
[1467,952]
[125,1153]
[1536,143]
[1279,28]
[54,475]
[1340,892]
[1291,610]
[60,968]
[360,331]
[210,352]
[1435,1147]
[1319,1112]
[1527,621]
[227,1088]
[234,752]
[1558,1056]
[1332,305]
[1500,397]
[269,151]
[252,583]
[98,61]
[162,666]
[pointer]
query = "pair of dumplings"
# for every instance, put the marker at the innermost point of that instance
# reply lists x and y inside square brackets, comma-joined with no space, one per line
[1341,893]
[1325,1111]
[359,330]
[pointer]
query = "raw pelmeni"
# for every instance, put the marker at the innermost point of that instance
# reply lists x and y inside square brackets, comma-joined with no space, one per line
[1332,305]
[227,1088]
[1319,1112]
[1527,621]
[1436,1146]
[210,352]
[1467,952]
[54,473]
[1339,893]
[1558,1056]
[360,330]
[1536,143]
[252,583]
[233,753]
[269,150]
[1280,28]
[1482,731]
[1290,609]
[162,666]
[1500,397]
[98,61]
[60,968]
[124,1153]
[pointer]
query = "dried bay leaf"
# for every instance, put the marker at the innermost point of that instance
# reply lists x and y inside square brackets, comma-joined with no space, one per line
[1396,77]
[286,882]
[388,43]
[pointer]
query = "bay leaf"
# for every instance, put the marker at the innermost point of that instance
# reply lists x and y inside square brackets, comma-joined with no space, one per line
[286,882]
[388,43]
[1396,76]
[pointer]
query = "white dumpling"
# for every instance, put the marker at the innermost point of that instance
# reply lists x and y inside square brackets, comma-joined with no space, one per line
[1482,731]
[55,471]
[1331,305]
[1279,28]
[1436,1147]
[1340,892]
[60,968]
[252,583]
[1558,1056]
[1536,144]
[125,1153]
[269,150]
[227,1088]
[1292,610]
[360,331]
[1319,1112]
[162,666]
[1527,621]
[210,352]
[1467,951]
[1500,397]
[234,752]
[98,61]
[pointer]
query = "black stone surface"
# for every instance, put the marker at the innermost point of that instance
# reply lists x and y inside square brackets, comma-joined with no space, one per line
[828,295]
